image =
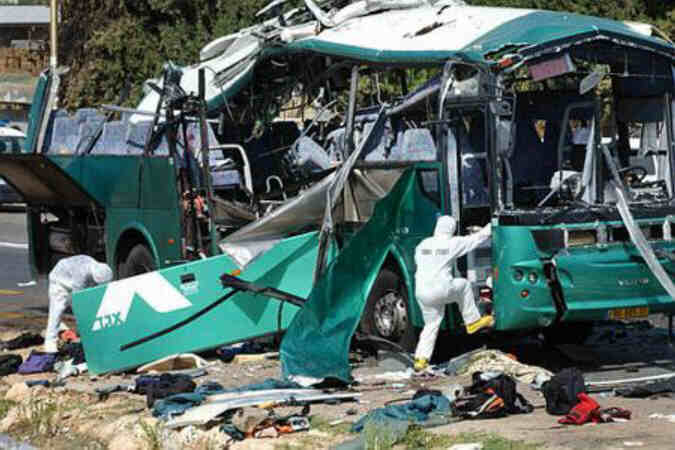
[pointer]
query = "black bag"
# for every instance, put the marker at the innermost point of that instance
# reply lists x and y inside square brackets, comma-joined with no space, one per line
[9,364]
[161,386]
[561,391]
[23,341]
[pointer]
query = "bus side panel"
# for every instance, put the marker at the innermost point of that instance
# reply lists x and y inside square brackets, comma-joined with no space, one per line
[158,218]
[124,311]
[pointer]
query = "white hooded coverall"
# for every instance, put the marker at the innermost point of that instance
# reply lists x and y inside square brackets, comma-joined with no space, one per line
[435,285]
[70,275]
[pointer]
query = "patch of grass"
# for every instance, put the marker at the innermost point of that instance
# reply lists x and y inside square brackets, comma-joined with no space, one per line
[284,446]
[418,438]
[377,436]
[5,406]
[73,440]
[152,435]
[321,424]
[39,418]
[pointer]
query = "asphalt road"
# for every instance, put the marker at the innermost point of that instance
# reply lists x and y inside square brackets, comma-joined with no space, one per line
[30,301]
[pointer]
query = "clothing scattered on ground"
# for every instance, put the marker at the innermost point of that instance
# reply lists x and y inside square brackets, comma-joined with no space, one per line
[9,364]
[161,386]
[588,410]
[417,411]
[38,362]
[24,340]
[74,351]
[177,404]
[227,353]
[496,361]
[561,392]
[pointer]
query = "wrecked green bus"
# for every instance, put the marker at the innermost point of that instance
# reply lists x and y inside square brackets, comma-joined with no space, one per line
[524,120]
[124,186]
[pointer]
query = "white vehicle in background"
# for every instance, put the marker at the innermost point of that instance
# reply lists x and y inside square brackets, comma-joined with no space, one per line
[11,141]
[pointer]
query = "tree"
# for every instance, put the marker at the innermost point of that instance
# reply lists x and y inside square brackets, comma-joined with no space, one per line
[108,43]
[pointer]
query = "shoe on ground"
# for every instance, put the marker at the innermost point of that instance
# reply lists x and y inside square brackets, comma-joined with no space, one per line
[483,322]
[51,346]
[421,364]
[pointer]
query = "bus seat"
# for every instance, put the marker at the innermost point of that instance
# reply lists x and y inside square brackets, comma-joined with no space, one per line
[113,138]
[86,114]
[136,136]
[417,145]
[65,136]
[225,179]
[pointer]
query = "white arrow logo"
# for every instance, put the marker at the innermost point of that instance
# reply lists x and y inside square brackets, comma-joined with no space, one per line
[153,288]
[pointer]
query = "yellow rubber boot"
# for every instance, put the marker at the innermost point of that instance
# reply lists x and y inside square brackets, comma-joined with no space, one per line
[421,364]
[483,322]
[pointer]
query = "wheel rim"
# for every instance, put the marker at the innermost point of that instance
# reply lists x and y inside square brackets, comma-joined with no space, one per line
[391,315]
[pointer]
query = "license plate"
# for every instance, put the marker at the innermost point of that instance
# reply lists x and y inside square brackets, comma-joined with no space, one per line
[628,313]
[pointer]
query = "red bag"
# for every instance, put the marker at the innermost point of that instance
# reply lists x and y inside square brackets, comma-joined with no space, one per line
[583,412]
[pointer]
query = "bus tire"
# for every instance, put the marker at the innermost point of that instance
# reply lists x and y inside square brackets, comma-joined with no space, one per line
[386,314]
[139,260]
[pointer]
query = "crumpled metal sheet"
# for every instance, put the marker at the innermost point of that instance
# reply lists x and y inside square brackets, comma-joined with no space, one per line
[244,245]
[642,245]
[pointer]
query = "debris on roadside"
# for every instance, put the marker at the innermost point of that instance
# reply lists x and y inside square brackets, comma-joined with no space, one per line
[497,361]
[668,417]
[181,361]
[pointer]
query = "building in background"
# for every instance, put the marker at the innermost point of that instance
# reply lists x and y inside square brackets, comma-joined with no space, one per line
[24,53]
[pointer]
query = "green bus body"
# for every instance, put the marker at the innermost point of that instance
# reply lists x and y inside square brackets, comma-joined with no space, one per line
[571,260]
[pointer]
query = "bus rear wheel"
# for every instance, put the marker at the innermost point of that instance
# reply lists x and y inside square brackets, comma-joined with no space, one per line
[139,260]
[386,314]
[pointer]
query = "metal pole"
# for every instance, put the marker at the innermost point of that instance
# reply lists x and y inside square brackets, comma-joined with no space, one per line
[206,169]
[53,18]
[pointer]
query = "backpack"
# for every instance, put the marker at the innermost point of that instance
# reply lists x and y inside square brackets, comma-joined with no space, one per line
[493,397]
[9,364]
[561,391]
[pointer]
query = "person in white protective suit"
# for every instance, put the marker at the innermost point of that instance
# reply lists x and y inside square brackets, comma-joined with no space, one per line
[436,287]
[70,275]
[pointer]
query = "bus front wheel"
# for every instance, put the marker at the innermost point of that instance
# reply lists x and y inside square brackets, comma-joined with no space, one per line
[139,260]
[386,313]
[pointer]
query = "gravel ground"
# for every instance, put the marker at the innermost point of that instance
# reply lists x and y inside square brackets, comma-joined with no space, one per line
[615,350]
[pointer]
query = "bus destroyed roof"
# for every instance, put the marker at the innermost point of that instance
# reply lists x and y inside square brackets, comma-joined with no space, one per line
[400,32]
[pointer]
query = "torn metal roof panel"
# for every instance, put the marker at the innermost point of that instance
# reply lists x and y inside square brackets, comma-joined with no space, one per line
[438,32]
